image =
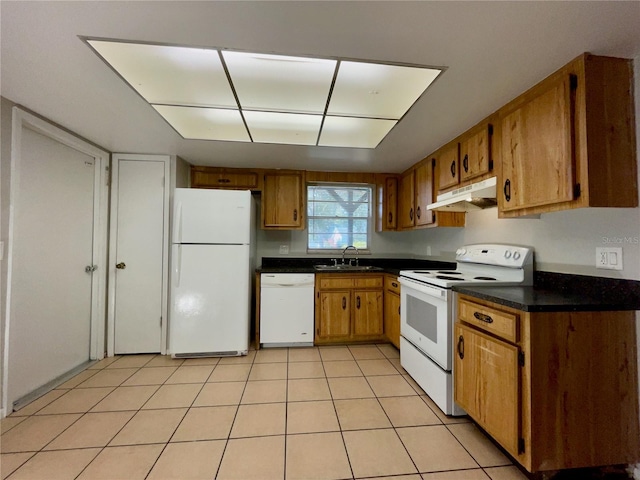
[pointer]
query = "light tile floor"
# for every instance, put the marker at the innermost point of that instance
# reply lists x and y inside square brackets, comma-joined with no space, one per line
[306,413]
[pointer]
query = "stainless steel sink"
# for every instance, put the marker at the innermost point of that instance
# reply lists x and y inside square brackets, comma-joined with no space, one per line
[348,268]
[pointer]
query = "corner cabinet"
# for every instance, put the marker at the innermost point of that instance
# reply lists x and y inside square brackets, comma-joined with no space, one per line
[283,201]
[349,308]
[569,141]
[556,390]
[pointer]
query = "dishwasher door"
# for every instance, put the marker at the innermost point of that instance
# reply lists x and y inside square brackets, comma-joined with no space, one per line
[286,309]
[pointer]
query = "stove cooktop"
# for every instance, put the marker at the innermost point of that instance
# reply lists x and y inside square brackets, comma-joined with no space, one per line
[483,264]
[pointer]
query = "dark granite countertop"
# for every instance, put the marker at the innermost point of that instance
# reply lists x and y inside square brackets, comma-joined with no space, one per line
[557,292]
[388,265]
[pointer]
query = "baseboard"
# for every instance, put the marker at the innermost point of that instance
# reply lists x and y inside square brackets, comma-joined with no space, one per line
[2,413]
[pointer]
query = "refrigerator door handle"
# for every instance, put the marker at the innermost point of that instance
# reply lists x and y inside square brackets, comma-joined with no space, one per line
[178,220]
[178,267]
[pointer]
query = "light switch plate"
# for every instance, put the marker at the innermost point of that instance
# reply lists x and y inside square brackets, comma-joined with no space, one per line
[609,258]
[284,249]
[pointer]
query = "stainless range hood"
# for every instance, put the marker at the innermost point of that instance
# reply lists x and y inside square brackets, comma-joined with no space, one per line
[476,196]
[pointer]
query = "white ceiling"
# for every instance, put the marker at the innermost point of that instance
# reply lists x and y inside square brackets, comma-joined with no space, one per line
[493,51]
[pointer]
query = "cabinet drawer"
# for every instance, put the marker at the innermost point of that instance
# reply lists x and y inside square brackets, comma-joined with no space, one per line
[368,282]
[342,281]
[335,282]
[391,283]
[502,324]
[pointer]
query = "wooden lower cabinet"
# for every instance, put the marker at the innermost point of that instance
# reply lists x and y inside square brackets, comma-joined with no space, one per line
[557,390]
[392,309]
[349,308]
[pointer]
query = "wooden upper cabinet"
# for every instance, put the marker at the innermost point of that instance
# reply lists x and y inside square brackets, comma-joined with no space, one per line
[211,177]
[448,167]
[424,193]
[569,141]
[283,201]
[475,154]
[387,203]
[406,200]
[538,162]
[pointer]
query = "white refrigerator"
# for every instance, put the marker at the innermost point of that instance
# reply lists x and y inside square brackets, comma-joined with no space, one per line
[211,262]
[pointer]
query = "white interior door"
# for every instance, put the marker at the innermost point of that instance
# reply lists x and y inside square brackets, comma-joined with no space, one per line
[53,287]
[138,259]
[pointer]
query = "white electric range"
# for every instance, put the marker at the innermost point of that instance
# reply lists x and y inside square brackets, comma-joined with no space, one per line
[428,311]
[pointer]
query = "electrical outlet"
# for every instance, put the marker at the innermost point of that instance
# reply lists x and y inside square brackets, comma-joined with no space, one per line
[284,249]
[609,258]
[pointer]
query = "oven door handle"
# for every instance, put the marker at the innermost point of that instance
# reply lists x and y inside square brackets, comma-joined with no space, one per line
[461,347]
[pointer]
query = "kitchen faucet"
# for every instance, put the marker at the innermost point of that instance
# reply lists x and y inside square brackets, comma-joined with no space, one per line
[345,250]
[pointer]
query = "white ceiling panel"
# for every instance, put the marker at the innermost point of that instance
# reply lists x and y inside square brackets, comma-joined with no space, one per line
[354,132]
[286,128]
[205,123]
[375,90]
[280,83]
[170,75]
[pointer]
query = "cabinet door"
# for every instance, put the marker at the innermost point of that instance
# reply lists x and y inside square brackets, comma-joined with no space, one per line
[392,317]
[475,155]
[406,201]
[538,165]
[448,171]
[424,193]
[204,177]
[335,314]
[367,313]
[282,201]
[391,204]
[485,376]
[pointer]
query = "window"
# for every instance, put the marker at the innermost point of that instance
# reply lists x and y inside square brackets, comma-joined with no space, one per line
[339,215]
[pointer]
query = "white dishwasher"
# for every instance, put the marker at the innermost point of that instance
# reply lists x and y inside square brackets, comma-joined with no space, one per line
[286,309]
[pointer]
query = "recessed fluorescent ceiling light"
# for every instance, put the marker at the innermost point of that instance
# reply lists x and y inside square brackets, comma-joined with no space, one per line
[215,94]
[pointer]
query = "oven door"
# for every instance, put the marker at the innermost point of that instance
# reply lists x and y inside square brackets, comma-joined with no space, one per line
[425,315]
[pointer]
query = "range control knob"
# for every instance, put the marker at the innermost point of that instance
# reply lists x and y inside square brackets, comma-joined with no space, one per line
[507,254]
[516,255]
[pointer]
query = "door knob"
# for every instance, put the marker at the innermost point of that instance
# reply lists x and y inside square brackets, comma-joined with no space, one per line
[121,265]
[90,268]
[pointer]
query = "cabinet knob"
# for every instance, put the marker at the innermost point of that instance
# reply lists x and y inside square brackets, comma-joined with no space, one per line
[390,217]
[394,284]
[453,168]
[121,266]
[295,214]
[411,214]
[418,212]
[344,303]
[358,301]
[465,163]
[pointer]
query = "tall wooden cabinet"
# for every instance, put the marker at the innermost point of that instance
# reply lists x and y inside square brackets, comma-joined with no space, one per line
[569,141]
[556,389]
[283,201]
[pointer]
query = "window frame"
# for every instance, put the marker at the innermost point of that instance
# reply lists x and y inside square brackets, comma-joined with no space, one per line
[370,218]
